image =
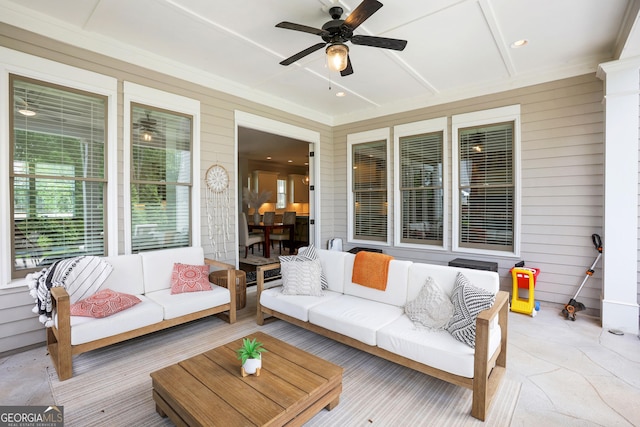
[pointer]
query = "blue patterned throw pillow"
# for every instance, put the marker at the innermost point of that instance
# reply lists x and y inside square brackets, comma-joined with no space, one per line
[468,301]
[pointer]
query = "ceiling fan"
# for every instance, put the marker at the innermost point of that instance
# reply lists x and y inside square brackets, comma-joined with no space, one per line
[337,32]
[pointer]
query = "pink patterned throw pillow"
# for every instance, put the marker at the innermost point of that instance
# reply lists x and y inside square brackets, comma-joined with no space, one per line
[189,278]
[103,303]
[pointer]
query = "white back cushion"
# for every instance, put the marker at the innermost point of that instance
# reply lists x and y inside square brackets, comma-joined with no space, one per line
[394,294]
[126,275]
[158,265]
[333,267]
[445,276]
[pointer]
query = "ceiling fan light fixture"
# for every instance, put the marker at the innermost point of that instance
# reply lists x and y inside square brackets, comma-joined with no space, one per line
[147,136]
[23,107]
[27,112]
[337,56]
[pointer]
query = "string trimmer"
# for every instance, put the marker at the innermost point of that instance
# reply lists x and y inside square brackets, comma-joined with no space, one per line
[574,306]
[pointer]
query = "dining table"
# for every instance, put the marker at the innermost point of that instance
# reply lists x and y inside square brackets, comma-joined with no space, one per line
[267,228]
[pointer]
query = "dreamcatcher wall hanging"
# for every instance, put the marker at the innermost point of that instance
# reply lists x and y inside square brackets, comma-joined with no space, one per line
[217,179]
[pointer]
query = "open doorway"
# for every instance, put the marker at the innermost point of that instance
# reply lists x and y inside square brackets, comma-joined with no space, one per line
[275,157]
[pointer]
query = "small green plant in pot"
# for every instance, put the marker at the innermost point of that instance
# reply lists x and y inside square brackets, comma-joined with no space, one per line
[250,354]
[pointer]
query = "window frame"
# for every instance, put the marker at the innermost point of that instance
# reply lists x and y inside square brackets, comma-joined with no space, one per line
[411,129]
[364,138]
[33,67]
[507,114]
[144,95]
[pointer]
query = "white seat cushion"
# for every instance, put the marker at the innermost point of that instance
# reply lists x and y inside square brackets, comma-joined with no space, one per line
[433,348]
[86,329]
[296,306]
[176,305]
[354,317]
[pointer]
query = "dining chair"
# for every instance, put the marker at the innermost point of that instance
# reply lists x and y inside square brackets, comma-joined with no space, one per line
[268,218]
[245,239]
[288,218]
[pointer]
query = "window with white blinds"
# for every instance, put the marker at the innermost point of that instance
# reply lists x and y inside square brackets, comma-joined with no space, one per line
[486,187]
[421,188]
[281,203]
[57,174]
[161,178]
[369,190]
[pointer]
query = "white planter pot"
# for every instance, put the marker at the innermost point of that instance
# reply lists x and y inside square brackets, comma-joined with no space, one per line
[252,367]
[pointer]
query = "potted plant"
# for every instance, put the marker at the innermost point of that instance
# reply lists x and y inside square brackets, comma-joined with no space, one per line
[250,354]
[255,200]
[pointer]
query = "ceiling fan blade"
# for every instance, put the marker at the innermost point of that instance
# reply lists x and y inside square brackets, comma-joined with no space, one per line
[349,70]
[362,13]
[383,42]
[290,60]
[303,28]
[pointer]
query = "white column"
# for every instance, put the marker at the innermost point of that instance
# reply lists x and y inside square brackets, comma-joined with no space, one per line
[619,308]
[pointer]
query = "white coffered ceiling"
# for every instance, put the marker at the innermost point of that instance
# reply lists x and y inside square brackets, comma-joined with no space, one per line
[456,48]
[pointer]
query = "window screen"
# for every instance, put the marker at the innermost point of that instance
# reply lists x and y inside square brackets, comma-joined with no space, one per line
[57,177]
[161,143]
[421,188]
[486,187]
[369,169]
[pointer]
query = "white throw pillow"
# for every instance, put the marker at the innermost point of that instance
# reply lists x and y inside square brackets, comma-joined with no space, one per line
[307,254]
[431,308]
[301,277]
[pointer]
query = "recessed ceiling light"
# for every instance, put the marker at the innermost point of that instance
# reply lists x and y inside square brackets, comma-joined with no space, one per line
[340,94]
[268,157]
[519,43]
[290,161]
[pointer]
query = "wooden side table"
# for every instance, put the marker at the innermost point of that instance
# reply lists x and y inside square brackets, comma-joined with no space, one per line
[220,278]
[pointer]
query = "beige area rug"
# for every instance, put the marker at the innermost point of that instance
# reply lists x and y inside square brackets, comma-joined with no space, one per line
[112,386]
[260,260]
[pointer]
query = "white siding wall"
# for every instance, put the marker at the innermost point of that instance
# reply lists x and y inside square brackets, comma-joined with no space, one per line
[562,183]
[18,325]
[562,151]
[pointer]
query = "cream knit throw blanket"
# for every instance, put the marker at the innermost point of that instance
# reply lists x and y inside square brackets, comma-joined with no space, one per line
[81,276]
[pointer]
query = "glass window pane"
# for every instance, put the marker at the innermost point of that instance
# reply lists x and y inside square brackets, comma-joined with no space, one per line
[421,187]
[58,179]
[281,203]
[161,178]
[370,190]
[487,187]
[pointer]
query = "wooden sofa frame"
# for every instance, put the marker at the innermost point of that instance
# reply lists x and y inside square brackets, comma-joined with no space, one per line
[59,338]
[488,371]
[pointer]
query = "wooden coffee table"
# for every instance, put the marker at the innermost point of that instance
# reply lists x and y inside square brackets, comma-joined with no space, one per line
[208,389]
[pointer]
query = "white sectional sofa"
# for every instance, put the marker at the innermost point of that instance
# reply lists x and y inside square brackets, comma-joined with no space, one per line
[146,275]
[375,321]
